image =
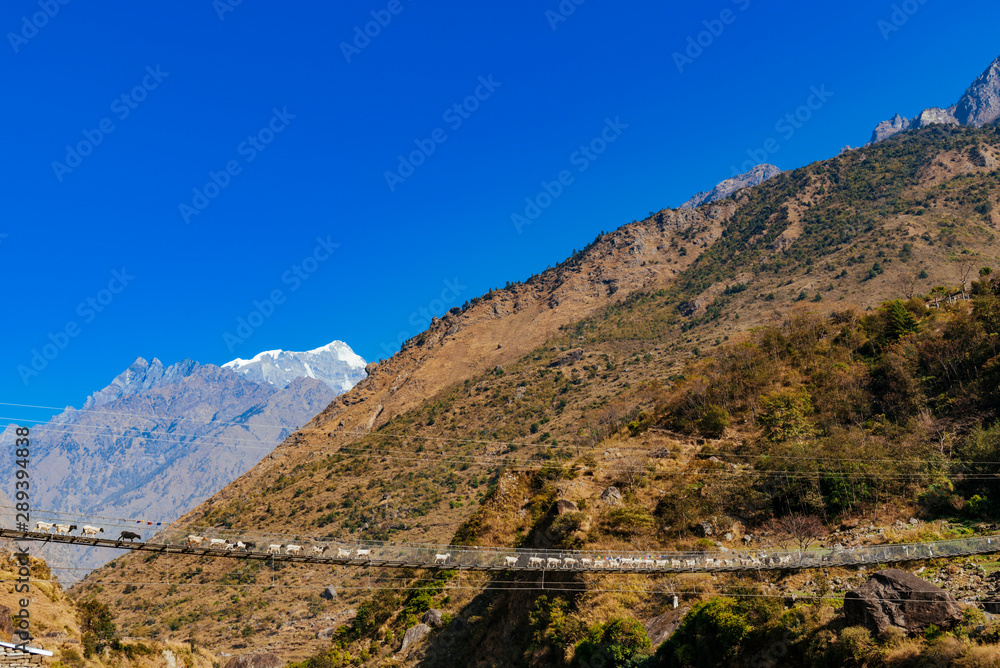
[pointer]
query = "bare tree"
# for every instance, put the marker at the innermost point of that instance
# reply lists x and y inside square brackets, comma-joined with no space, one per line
[632,466]
[966,270]
[908,283]
[803,529]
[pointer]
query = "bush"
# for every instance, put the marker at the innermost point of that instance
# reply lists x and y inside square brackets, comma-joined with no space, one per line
[620,643]
[713,422]
[627,522]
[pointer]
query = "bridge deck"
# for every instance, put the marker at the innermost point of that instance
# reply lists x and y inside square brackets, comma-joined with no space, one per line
[494,559]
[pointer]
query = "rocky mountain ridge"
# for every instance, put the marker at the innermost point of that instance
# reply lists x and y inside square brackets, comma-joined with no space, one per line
[979,106]
[724,189]
[157,441]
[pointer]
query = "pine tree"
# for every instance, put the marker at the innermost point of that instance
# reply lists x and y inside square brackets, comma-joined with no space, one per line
[901,322]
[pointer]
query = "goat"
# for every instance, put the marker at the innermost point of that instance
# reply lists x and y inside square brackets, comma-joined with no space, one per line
[586,563]
[569,562]
[43,527]
[129,536]
[510,561]
[66,528]
[534,562]
[91,531]
[293,549]
[442,558]
[216,542]
[552,562]
[229,547]
[365,552]
[342,553]
[274,548]
[647,563]
[194,541]
[246,547]
[319,550]
[627,561]
[661,563]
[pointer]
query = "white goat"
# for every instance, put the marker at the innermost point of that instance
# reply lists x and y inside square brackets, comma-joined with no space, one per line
[216,542]
[194,541]
[552,562]
[342,553]
[274,548]
[65,528]
[510,561]
[91,531]
[442,558]
[43,527]
[366,552]
[293,549]
[534,562]
[569,562]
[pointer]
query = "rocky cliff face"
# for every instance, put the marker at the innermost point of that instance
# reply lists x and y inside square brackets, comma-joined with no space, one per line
[979,106]
[334,364]
[754,177]
[158,441]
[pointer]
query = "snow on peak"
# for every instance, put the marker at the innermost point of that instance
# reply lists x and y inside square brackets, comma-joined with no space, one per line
[334,364]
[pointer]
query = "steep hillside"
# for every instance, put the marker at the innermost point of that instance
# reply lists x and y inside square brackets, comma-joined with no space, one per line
[81,635]
[581,378]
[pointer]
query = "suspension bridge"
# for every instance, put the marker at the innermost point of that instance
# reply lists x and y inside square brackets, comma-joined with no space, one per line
[370,554]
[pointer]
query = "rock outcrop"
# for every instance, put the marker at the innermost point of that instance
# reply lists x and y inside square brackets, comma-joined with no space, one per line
[414,635]
[754,177]
[897,598]
[979,106]
[266,660]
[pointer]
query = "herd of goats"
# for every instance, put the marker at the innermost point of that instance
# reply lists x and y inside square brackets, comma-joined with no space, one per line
[726,560]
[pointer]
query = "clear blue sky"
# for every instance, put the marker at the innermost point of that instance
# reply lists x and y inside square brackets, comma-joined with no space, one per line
[196,88]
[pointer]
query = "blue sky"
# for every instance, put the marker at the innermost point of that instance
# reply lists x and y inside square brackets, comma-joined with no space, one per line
[170,164]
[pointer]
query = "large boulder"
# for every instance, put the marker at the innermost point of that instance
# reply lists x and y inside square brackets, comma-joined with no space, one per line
[563,507]
[330,593]
[611,496]
[414,635]
[896,598]
[266,660]
[568,357]
[433,618]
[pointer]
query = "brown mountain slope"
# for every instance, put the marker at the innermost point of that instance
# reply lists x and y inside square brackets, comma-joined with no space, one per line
[407,455]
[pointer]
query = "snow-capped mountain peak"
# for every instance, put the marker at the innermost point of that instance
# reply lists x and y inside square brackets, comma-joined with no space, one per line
[334,364]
